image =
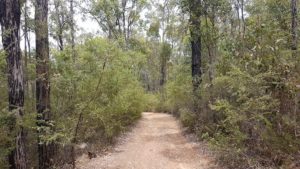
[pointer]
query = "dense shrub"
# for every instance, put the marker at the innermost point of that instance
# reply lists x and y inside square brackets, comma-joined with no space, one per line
[240,113]
[94,97]
[101,86]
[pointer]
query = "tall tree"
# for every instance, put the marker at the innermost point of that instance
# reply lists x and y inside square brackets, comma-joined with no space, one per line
[27,50]
[117,18]
[294,24]
[10,16]
[195,30]
[72,26]
[165,54]
[59,24]
[45,150]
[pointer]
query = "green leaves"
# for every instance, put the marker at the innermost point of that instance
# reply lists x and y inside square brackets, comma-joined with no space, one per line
[102,85]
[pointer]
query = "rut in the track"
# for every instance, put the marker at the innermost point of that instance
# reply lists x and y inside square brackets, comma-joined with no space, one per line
[157,142]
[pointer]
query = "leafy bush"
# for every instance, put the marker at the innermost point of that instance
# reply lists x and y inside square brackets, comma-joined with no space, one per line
[246,112]
[101,86]
[187,118]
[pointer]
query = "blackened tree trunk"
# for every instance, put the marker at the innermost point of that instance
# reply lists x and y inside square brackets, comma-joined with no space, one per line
[294,24]
[165,55]
[45,150]
[195,30]
[10,15]
[163,72]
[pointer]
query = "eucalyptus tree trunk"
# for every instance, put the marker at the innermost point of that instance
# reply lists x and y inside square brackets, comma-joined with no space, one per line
[294,48]
[60,18]
[294,24]
[10,15]
[124,4]
[243,17]
[163,71]
[237,8]
[27,50]
[45,151]
[196,45]
[164,55]
[72,25]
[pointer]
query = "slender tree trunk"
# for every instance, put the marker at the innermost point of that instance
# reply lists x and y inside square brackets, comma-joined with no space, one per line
[10,15]
[163,67]
[237,8]
[60,41]
[26,46]
[243,17]
[124,3]
[195,30]
[60,21]
[45,150]
[72,25]
[294,45]
[210,48]
[163,73]
[294,48]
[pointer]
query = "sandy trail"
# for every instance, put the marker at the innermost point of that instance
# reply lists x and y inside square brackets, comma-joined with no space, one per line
[156,142]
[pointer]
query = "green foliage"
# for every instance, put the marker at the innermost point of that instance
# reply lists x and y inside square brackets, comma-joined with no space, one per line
[152,101]
[176,94]
[187,118]
[6,137]
[154,29]
[101,85]
[98,92]
[246,106]
[178,90]
[247,125]
[247,102]
[165,51]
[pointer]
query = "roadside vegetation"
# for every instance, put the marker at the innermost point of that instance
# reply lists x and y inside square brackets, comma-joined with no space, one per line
[228,69]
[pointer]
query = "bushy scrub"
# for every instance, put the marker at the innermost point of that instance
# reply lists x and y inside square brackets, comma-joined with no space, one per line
[152,101]
[249,126]
[187,118]
[247,111]
[98,92]
[175,94]
[95,95]
[179,93]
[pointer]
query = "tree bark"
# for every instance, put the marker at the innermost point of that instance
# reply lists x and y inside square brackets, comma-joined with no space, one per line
[164,55]
[124,4]
[10,16]
[45,150]
[60,21]
[72,25]
[243,17]
[163,72]
[26,47]
[294,45]
[237,8]
[196,45]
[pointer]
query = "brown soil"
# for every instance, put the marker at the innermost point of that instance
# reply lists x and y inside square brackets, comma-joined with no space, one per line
[157,142]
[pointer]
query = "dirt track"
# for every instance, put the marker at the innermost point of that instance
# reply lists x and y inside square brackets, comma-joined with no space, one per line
[156,142]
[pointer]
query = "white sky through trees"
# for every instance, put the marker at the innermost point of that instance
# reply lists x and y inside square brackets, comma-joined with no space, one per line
[84,24]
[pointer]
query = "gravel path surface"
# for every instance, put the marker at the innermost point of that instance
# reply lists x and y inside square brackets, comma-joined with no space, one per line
[157,142]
